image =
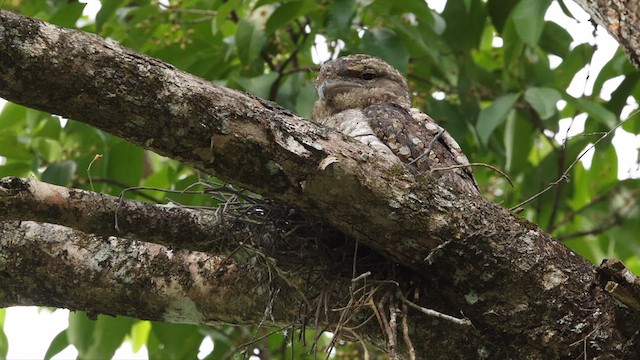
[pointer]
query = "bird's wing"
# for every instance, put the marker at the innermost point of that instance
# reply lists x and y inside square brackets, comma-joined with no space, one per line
[418,141]
[355,124]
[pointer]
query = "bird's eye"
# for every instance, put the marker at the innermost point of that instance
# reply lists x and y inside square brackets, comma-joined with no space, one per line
[368,76]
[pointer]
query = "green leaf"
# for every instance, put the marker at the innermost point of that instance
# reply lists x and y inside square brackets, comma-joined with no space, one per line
[68,14]
[633,264]
[494,115]
[107,9]
[11,147]
[528,18]
[386,45]
[285,14]
[620,95]
[555,39]
[13,115]
[174,341]
[97,339]
[618,65]
[48,127]
[499,11]
[537,71]
[341,14]
[224,11]
[259,86]
[80,331]
[125,162]
[604,167]
[49,149]
[517,131]
[305,99]
[543,100]
[20,169]
[108,334]
[595,110]
[419,8]
[58,344]
[249,41]
[465,23]
[4,343]
[576,60]
[139,334]
[60,173]
[513,45]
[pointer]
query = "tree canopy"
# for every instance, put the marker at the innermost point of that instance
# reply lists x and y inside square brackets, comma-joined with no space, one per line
[503,103]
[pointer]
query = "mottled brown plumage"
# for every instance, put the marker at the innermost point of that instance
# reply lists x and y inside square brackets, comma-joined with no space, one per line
[364,97]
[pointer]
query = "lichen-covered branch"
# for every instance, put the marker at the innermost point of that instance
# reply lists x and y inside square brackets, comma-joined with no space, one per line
[621,18]
[101,214]
[51,265]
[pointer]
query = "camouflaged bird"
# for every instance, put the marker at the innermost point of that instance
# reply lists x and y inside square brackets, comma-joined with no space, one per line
[364,97]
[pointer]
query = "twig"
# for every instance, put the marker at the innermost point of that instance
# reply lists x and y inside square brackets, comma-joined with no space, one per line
[600,229]
[432,253]
[475,164]
[405,332]
[386,326]
[437,314]
[426,152]
[562,155]
[393,329]
[361,276]
[565,174]
[596,200]
[255,340]
[584,339]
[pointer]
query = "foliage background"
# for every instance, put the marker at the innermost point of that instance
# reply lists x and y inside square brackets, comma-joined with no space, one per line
[502,103]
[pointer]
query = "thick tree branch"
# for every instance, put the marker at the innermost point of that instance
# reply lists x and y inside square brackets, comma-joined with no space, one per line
[95,213]
[526,295]
[50,265]
[621,18]
[223,132]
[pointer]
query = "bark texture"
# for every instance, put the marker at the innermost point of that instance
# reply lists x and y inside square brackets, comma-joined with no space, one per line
[621,18]
[50,265]
[526,295]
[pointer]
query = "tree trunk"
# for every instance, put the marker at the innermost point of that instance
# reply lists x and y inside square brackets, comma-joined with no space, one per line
[526,295]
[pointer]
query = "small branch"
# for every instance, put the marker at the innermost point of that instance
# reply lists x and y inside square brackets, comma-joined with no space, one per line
[405,332]
[122,185]
[428,150]
[595,231]
[476,164]
[429,312]
[561,154]
[393,329]
[569,216]
[565,174]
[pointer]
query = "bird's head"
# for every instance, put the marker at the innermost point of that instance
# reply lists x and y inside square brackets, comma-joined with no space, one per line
[357,81]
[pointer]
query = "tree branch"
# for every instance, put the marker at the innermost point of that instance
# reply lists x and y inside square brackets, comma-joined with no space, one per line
[621,19]
[50,265]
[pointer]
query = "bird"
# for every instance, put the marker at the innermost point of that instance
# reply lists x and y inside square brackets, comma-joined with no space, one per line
[364,97]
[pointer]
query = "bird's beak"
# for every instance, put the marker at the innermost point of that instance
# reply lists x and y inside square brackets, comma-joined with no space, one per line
[330,88]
